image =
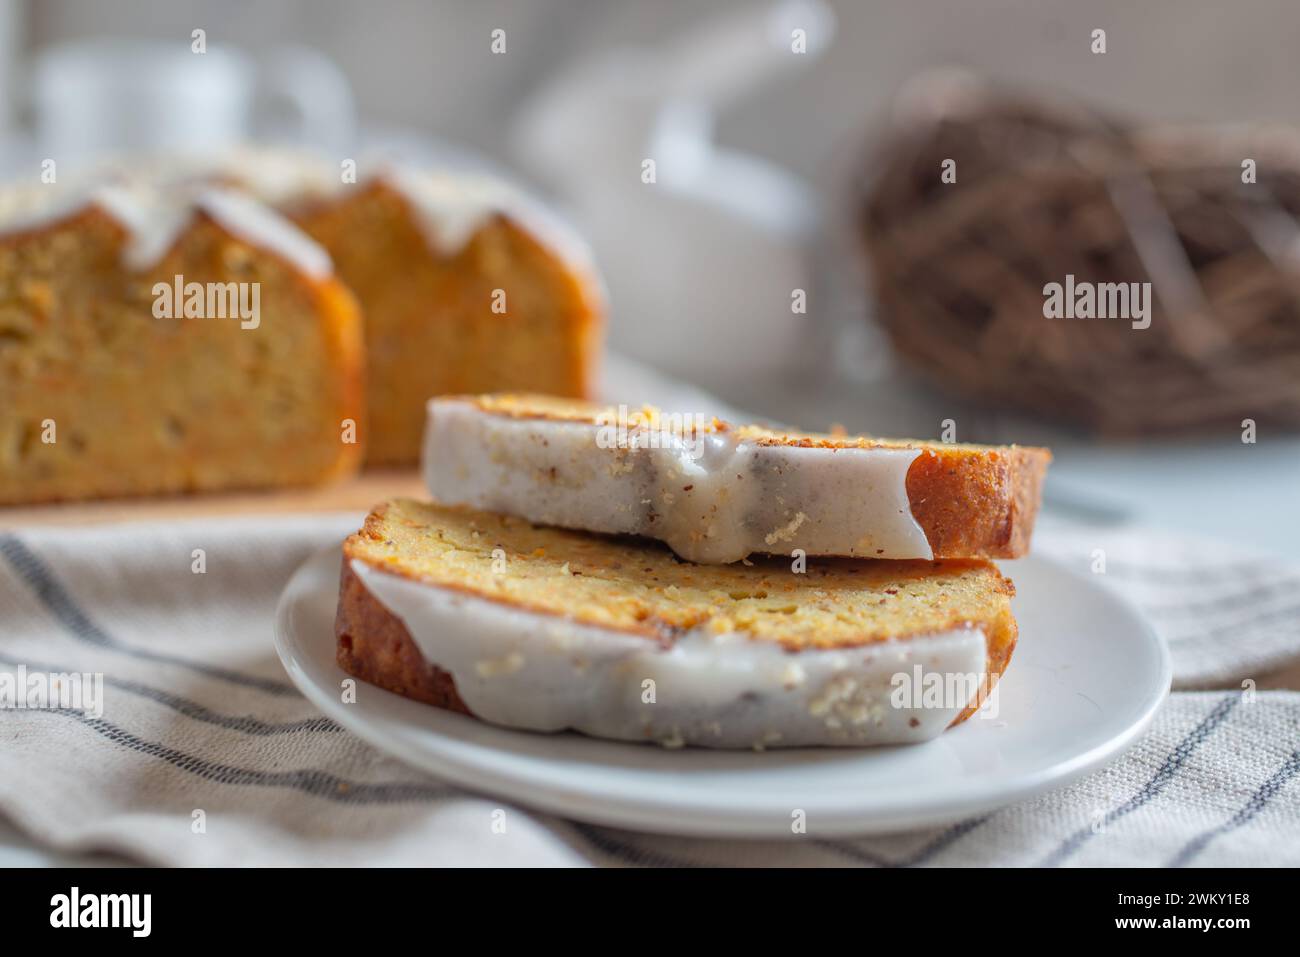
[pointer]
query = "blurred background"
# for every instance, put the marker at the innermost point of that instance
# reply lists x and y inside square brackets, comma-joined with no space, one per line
[426,64]
[797,149]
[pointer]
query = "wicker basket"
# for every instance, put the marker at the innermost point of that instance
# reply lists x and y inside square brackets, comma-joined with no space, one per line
[1045,190]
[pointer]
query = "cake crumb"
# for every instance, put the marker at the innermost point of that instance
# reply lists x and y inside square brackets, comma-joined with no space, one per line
[786,531]
[496,667]
[674,741]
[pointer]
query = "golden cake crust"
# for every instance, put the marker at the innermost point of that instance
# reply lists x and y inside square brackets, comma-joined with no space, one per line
[375,646]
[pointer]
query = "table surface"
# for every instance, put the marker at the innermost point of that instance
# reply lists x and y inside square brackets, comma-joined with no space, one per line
[356,495]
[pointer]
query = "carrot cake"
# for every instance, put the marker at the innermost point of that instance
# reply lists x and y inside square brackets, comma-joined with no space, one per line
[545,629]
[717,492]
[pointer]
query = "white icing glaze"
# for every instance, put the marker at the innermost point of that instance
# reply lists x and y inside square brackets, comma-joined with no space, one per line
[448,209]
[451,208]
[549,673]
[154,218]
[260,225]
[153,196]
[714,503]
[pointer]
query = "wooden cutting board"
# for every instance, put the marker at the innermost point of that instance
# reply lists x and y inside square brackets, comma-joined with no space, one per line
[356,494]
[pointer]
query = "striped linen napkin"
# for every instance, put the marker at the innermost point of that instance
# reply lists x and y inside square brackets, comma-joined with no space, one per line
[204,753]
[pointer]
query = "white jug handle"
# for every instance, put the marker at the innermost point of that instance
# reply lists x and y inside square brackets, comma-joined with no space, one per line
[316,92]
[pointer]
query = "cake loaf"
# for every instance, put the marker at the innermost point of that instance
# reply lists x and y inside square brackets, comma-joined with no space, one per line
[466,286]
[717,492]
[155,343]
[545,629]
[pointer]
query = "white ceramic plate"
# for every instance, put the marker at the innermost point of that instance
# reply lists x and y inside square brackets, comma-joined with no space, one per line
[1085,681]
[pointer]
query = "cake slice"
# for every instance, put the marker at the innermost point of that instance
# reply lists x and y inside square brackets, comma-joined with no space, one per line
[153,344]
[716,492]
[546,629]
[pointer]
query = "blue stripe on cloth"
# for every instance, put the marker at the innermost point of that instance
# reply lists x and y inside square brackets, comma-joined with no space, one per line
[1158,782]
[61,605]
[1258,801]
